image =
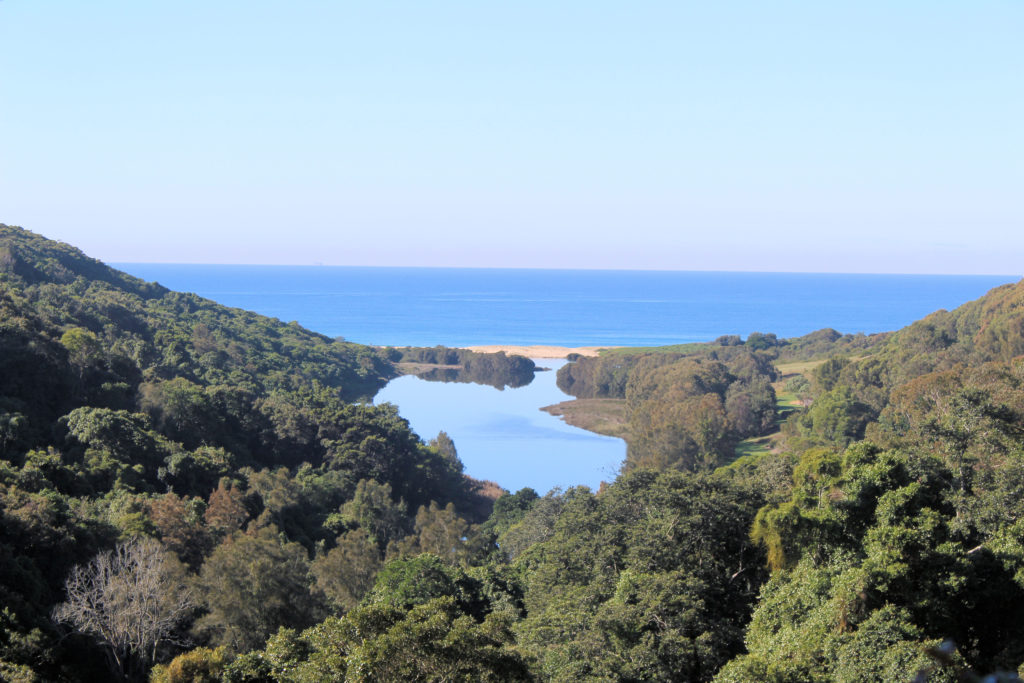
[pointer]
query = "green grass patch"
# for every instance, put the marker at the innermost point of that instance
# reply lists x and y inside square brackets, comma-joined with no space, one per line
[786,399]
[754,446]
[696,347]
[786,403]
[798,368]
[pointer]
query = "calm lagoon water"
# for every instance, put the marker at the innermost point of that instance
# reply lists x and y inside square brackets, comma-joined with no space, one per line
[501,435]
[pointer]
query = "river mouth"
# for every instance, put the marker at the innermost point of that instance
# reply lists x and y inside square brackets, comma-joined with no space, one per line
[502,435]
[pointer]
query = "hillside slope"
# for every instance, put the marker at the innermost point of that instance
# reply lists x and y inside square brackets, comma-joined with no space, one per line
[131,411]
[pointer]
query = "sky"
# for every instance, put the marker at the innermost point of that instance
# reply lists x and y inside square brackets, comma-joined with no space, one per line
[867,136]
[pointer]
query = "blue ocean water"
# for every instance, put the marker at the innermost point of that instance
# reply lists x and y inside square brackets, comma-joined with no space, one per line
[502,435]
[465,306]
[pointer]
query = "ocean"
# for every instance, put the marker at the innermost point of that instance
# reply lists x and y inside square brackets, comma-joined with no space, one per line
[466,306]
[501,435]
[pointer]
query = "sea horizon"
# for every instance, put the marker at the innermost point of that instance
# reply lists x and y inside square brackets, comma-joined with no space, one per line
[428,306]
[124,265]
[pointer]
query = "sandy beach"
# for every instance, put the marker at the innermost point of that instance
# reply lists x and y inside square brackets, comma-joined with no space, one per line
[540,351]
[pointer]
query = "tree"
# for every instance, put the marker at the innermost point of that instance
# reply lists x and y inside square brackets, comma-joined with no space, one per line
[653,579]
[688,434]
[130,599]
[445,446]
[509,509]
[750,406]
[433,641]
[836,417]
[439,531]
[423,621]
[84,349]
[201,665]
[196,472]
[826,375]
[373,510]
[254,583]
[126,436]
[11,427]
[346,572]
[225,511]
[404,583]
[871,566]
[179,523]
[759,340]
[181,409]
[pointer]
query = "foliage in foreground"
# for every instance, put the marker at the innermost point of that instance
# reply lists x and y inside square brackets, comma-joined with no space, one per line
[188,493]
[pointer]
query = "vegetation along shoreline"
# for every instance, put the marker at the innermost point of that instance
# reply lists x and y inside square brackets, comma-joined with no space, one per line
[193,492]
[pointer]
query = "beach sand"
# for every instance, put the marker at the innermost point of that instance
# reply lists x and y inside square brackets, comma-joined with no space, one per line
[540,351]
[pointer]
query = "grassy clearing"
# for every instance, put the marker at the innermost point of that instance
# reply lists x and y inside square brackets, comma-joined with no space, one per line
[755,446]
[798,368]
[673,348]
[786,399]
[786,403]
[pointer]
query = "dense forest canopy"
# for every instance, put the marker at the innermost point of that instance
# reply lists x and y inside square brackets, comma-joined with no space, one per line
[686,410]
[129,411]
[190,492]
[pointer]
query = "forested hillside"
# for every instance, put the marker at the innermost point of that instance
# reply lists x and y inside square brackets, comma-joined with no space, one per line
[194,493]
[128,411]
[687,407]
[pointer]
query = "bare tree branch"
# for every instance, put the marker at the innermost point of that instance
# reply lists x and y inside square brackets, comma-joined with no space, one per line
[130,599]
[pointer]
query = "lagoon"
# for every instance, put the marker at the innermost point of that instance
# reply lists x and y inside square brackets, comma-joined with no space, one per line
[503,436]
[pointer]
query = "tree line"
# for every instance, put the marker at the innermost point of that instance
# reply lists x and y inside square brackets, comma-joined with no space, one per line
[685,411]
[444,364]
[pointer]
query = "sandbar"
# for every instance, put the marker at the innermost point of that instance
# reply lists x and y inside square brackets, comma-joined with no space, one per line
[540,351]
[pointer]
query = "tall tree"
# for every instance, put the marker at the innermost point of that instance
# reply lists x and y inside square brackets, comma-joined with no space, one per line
[254,583]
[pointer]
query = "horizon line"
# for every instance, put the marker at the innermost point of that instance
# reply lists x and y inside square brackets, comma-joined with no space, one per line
[544,268]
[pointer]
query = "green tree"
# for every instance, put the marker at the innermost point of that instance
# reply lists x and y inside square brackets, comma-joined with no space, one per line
[251,585]
[12,427]
[836,417]
[433,641]
[83,347]
[181,409]
[869,551]
[406,582]
[347,571]
[653,579]
[373,510]
[441,532]
[201,665]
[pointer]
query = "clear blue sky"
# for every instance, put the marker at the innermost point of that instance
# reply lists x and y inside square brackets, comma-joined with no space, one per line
[868,136]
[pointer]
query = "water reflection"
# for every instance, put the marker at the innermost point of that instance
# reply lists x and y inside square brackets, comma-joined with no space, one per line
[503,436]
[441,364]
[464,376]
